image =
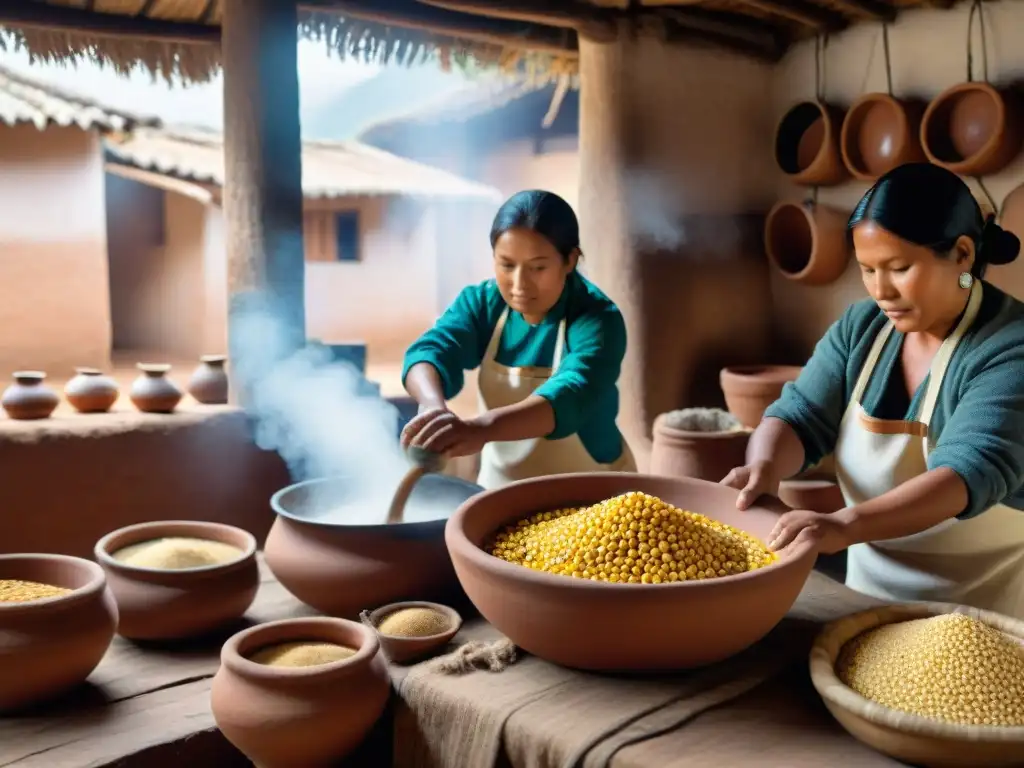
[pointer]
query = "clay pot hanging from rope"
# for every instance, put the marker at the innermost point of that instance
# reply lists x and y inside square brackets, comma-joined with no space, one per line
[807,242]
[807,145]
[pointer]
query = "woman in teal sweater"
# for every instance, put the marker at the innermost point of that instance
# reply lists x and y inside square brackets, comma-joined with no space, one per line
[549,346]
[918,393]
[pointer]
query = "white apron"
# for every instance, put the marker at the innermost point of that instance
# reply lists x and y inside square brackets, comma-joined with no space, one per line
[977,562]
[506,462]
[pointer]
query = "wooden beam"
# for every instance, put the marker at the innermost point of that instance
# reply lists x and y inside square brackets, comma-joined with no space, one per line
[757,32]
[801,11]
[40,16]
[593,23]
[763,49]
[879,10]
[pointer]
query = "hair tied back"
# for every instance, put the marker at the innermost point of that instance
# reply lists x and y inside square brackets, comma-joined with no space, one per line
[998,245]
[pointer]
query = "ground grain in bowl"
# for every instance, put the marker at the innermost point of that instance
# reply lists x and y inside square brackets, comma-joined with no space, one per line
[17,591]
[413,622]
[177,553]
[301,654]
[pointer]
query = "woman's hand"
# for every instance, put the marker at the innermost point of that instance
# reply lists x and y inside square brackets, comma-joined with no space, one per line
[440,431]
[827,533]
[752,480]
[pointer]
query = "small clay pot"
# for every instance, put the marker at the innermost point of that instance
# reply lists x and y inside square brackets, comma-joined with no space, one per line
[28,397]
[159,604]
[972,129]
[209,382]
[707,451]
[400,649]
[153,392]
[48,647]
[807,242]
[879,133]
[286,717]
[750,389]
[817,495]
[90,391]
[807,145]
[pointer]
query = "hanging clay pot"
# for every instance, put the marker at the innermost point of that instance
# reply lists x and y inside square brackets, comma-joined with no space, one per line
[705,443]
[153,392]
[28,397]
[90,391]
[209,382]
[282,717]
[972,129]
[807,145]
[879,133]
[807,242]
[750,389]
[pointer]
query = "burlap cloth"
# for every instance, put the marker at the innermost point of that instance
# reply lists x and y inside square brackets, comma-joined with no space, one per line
[533,714]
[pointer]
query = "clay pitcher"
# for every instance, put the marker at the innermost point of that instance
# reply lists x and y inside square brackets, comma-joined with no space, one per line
[750,389]
[209,382]
[152,391]
[807,242]
[704,443]
[28,397]
[90,391]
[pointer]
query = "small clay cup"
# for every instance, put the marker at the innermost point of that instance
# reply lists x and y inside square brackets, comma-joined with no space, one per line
[287,717]
[750,389]
[209,382]
[153,392]
[28,398]
[690,453]
[807,145]
[48,647]
[157,604]
[90,391]
[400,649]
[807,242]
[881,132]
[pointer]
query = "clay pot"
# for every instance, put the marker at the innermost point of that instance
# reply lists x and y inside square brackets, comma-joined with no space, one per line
[28,397]
[620,627]
[341,569]
[807,145]
[153,392]
[807,242]
[90,391]
[685,445]
[750,389]
[880,133]
[209,382]
[47,647]
[400,649]
[972,129]
[167,605]
[309,716]
[817,495]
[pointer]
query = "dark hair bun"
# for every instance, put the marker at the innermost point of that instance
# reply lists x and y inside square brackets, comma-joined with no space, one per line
[997,245]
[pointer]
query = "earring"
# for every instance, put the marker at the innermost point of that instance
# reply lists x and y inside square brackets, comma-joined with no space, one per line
[966,280]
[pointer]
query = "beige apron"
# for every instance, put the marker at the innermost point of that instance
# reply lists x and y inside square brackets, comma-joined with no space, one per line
[977,562]
[506,462]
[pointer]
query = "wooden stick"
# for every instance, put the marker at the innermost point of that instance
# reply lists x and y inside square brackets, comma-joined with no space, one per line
[591,22]
[803,12]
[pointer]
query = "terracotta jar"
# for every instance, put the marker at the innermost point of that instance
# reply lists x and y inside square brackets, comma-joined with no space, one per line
[49,646]
[209,382]
[307,716]
[156,604]
[152,391]
[807,145]
[704,443]
[807,242]
[881,132]
[28,397]
[749,389]
[90,391]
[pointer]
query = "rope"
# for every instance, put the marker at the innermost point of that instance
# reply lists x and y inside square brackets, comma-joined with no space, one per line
[976,8]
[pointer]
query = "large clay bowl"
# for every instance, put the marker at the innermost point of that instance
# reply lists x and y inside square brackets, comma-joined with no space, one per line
[622,627]
[750,389]
[807,242]
[972,129]
[307,716]
[49,646]
[909,738]
[157,604]
[807,145]
[342,569]
[879,133]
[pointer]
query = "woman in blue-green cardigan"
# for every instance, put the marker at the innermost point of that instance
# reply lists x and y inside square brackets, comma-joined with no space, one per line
[918,393]
[549,345]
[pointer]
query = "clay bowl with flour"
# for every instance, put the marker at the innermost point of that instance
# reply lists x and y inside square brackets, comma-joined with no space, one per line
[619,627]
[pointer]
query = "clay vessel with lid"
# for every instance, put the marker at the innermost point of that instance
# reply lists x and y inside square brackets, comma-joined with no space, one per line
[973,129]
[750,389]
[807,242]
[156,604]
[604,626]
[881,132]
[807,145]
[209,381]
[704,443]
[309,716]
[49,646]
[90,391]
[152,391]
[28,397]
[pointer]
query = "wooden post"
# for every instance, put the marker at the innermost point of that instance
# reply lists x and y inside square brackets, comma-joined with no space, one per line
[263,173]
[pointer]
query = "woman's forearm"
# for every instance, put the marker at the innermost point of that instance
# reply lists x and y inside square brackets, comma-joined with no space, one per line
[533,417]
[423,383]
[776,444]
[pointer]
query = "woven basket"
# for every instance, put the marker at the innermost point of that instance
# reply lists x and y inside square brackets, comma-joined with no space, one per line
[910,738]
